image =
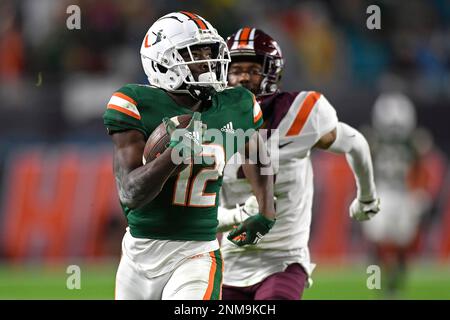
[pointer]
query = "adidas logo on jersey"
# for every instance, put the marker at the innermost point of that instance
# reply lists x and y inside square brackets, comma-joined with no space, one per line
[228,127]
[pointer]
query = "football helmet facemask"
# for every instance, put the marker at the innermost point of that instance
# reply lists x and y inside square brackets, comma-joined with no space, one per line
[166,68]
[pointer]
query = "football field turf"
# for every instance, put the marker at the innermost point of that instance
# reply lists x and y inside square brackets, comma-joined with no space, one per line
[330,282]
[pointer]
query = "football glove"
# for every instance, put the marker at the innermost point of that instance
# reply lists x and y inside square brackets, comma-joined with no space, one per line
[361,211]
[251,206]
[187,141]
[228,218]
[251,230]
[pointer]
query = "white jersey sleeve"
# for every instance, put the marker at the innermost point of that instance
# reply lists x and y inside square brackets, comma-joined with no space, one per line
[309,117]
[325,117]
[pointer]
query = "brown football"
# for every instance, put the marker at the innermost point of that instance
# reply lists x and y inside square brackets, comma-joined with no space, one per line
[159,139]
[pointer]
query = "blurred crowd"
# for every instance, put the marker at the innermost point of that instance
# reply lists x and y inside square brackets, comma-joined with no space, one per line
[326,44]
[55,81]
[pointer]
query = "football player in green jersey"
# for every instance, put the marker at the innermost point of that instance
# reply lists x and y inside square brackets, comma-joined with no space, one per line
[170,250]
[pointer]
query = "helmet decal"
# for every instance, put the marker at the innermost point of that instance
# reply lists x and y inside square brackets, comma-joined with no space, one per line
[197,20]
[244,38]
[159,37]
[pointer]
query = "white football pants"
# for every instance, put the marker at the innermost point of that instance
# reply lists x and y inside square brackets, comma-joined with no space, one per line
[195,278]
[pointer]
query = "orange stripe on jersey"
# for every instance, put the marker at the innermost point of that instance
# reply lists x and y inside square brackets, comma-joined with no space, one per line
[212,273]
[245,34]
[303,113]
[196,19]
[123,110]
[121,95]
[258,116]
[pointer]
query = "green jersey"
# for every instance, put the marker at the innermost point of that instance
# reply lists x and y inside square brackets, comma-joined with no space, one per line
[186,207]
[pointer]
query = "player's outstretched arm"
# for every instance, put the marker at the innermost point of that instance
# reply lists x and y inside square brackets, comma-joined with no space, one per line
[138,184]
[251,230]
[347,140]
[260,174]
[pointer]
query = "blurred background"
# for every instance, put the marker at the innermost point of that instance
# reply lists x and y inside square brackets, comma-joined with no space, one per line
[58,201]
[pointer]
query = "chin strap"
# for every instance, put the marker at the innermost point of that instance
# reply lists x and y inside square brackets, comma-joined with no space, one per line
[201,93]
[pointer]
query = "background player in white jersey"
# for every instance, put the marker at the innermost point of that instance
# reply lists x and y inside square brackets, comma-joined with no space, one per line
[279,266]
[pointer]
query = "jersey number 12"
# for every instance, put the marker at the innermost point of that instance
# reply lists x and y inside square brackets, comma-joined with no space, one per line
[189,190]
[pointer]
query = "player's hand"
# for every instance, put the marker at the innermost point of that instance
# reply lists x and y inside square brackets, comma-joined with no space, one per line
[251,230]
[361,211]
[187,140]
[229,218]
[250,207]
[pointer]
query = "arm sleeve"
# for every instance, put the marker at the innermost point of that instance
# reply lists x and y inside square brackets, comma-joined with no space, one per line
[325,119]
[309,117]
[122,112]
[357,152]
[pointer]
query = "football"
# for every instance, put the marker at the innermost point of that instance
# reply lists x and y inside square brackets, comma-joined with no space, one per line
[159,139]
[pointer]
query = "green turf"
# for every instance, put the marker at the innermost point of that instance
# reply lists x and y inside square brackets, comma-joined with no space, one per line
[422,282]
[96,282]
[330,282]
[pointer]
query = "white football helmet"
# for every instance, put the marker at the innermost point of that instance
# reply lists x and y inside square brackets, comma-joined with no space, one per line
[165,67]
[394,115]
